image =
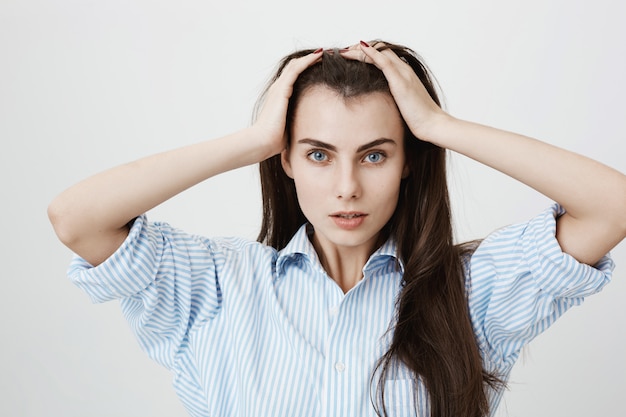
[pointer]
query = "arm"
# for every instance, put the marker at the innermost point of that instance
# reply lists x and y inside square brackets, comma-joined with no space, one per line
[92,217]
[593,194]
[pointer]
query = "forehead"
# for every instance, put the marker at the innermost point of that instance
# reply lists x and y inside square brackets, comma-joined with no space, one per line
[325,115]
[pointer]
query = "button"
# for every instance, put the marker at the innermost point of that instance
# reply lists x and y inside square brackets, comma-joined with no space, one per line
[340,366]
[333,311]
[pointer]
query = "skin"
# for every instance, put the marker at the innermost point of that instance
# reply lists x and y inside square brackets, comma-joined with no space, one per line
[346,159]
[593,194]
[91,217]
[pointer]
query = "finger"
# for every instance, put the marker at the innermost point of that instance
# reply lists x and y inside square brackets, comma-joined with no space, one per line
[356,46]
[352,52]
[281,88]
[294,68]
[356,54]
[350,48]
[384,59]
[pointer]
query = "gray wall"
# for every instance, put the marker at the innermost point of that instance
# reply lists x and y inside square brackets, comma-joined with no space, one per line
[85,85]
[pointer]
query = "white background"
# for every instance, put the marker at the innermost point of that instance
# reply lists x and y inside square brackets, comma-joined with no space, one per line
[85,85]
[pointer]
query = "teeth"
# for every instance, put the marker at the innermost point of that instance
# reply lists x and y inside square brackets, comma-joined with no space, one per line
[349,216]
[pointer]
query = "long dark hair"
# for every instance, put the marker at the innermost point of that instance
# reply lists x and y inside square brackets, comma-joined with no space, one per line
[433,335]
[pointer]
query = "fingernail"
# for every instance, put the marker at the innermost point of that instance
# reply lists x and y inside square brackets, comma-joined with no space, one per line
[365,44]
[317,51]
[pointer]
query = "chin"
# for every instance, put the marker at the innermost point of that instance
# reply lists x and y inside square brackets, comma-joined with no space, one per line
[351,238]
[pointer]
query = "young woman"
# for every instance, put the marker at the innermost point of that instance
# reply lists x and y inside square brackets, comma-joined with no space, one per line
[355,301]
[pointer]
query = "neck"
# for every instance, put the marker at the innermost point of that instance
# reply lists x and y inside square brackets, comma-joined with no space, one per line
[343,264]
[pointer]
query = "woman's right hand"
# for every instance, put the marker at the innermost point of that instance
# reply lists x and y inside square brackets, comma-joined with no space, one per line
[271,121]
[92,217]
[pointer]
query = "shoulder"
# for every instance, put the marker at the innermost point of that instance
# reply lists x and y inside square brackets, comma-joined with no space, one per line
[237,249]
[174,236]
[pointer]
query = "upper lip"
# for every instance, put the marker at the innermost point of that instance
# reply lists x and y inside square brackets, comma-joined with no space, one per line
[347,214]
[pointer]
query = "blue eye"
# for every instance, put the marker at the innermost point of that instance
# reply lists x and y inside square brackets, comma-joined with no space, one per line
[374,157]
[317,156]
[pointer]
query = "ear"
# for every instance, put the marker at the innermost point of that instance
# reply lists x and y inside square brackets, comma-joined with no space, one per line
[406,171]
[284,160]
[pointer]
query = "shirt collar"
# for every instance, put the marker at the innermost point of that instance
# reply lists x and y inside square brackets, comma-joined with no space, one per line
[385,255]
[300,247]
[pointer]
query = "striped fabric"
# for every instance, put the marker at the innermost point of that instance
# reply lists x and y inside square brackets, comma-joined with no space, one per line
[248,331]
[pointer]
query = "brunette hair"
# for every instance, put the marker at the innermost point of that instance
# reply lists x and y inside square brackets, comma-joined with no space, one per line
[433,335]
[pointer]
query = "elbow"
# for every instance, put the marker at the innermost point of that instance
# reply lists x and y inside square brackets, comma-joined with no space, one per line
[612,209]
[620,214]
[75,228]
[623,220]
[60,218]
[622,207]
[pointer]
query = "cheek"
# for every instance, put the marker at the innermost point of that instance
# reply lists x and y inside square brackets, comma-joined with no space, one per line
[386,190]
[385,181]
[309,188]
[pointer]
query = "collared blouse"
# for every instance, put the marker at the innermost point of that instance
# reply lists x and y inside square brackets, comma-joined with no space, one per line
[251,331]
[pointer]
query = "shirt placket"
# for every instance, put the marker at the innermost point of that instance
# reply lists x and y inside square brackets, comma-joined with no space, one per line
[340,374]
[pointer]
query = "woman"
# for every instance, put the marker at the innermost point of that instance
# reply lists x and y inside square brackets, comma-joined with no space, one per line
[356,301]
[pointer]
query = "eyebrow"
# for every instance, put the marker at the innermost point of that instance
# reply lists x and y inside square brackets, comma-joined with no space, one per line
[324,145]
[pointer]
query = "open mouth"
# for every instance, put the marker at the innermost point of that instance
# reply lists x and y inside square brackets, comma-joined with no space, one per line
[348,215]
[348,220]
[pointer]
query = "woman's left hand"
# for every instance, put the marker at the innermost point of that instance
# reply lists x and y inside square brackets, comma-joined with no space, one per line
[593,195]
[418,109]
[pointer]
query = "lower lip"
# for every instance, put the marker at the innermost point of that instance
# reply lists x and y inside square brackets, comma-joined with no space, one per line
[349,223]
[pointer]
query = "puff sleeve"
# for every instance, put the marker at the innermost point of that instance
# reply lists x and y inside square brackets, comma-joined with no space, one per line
[166,282]
[519,282]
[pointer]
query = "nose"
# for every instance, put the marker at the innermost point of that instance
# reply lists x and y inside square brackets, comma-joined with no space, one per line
[347,183]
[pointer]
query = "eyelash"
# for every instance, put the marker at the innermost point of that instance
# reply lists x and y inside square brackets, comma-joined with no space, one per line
[310,156]
[382,156]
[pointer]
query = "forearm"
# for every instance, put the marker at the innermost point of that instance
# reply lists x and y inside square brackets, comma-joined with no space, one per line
[91,216]
[593,194]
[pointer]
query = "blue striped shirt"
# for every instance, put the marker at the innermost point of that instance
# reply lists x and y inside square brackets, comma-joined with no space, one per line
[249,331]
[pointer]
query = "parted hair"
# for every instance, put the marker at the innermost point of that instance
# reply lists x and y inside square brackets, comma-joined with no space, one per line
[432,332]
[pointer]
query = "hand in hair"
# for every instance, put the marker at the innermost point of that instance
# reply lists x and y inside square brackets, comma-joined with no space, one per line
[92,217]
[416,105]
[270,123]
[593,195]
